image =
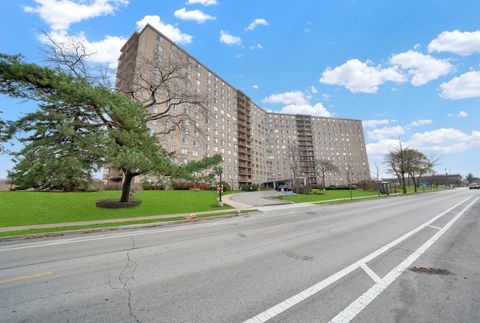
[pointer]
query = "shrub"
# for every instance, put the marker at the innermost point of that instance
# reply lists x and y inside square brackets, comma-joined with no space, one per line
[367,185]
[250,188]
[302,189]
[153,187]
[191,186]
[226,187]
[113,186]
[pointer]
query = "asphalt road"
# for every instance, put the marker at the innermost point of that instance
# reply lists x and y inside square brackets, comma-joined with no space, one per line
[343,262]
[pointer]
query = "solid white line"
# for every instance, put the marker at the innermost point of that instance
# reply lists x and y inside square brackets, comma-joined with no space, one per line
[432,226]
[360,303]
[371,273]
[281,307]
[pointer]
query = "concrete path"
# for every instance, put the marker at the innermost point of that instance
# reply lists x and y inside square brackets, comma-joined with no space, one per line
[260,198]
[303,264]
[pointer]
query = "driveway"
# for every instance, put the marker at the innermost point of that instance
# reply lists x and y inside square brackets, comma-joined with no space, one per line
[260,198]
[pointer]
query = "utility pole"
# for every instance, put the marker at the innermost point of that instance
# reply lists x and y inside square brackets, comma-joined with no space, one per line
[446,178]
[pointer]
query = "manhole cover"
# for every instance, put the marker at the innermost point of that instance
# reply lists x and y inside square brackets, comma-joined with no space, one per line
[431,271]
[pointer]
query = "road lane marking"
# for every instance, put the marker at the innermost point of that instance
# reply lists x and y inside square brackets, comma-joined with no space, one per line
[371,273]
[361,302]
[4,281]
[281,307]
[435,227]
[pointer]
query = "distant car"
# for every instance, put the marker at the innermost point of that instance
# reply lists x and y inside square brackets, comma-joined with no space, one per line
[474,186]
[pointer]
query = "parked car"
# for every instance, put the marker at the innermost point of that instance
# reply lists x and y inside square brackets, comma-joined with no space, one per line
[474,186]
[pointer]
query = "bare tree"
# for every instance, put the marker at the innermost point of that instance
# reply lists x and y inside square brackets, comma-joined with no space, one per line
[323,166]
[294,163]
[418,164]
[396,163]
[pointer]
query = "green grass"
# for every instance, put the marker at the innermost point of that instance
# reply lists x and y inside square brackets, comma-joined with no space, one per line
[109,225]
[327,195]
[27,208]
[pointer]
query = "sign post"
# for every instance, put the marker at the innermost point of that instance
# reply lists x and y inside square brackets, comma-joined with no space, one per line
[220,190]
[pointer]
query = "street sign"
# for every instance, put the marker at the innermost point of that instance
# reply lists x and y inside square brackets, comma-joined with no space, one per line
[219,188]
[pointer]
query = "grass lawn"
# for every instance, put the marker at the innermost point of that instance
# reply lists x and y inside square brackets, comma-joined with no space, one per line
[327,195]
[26,208]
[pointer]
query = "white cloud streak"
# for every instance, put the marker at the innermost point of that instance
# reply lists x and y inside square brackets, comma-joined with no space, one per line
[193,15]
[257,22]
[229,39]
[461,43]
[203,2]
[358,76]
[60,14]
[420,67]
[464,86]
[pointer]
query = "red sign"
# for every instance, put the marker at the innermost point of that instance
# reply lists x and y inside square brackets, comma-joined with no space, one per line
[219,188]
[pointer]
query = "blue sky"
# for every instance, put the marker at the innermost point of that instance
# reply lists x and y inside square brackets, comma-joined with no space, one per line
[410,69]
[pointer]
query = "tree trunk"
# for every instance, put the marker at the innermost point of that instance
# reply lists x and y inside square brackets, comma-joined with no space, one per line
[404,184]
[323,181]
[127,182]
[414,183]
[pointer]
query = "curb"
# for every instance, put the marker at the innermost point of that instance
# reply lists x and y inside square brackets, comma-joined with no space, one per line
[120,227]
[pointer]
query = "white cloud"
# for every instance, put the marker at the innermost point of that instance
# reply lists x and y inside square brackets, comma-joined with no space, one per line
[170,31]
[312,89]
[203,2]
[257,22]
[443,140]
[105,51]
[60,14]
[297,102]
[316,110]
[462,43]
[375,123]
[257,46]
[386,133]
[358,76]
[420,67]
[292,97]
[194,15]
[461,114]
[255,86]
[421,122]
[229,39]
[381,147]
[464,86]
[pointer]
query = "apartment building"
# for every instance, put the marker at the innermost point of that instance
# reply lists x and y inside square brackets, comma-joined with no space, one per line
[256,145]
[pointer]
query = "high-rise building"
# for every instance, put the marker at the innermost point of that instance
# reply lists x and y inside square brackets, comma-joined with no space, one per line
[257,146]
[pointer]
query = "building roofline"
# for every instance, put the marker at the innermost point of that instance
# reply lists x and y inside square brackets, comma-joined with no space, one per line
[148,25]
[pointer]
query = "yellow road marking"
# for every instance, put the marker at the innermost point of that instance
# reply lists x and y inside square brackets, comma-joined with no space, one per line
[278,229]
[48,273]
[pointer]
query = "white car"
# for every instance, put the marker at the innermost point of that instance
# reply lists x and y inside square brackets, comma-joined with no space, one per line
[474,186]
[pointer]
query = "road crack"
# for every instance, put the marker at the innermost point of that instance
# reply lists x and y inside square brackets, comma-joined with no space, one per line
[126,276]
